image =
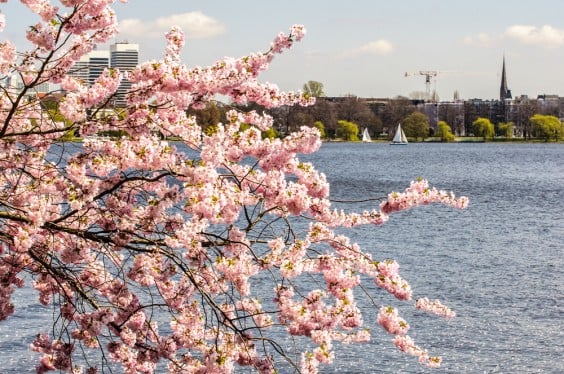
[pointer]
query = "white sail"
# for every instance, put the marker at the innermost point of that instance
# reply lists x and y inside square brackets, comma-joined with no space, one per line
[366,136]
[399,137]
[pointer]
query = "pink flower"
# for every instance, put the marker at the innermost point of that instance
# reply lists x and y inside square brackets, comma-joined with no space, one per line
[419,193]
[395,285]
[389,319]
[406,344]
[435,307]
[175,41]
[118,233]
[7,55]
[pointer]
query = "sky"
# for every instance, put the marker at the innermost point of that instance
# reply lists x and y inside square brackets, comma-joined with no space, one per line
[360,47]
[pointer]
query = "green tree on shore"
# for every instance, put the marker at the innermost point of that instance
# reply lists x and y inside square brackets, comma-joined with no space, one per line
[505,129]
[416,125]
[347,131]
[444,132]
[547,127]
[484,128]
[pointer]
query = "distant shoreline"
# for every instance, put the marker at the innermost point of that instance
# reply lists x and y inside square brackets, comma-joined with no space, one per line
[376,141]
[456,140]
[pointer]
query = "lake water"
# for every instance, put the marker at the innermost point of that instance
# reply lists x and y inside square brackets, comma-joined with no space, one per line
[499,263]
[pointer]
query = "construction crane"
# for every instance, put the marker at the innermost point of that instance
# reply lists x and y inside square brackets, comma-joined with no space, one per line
[428,75]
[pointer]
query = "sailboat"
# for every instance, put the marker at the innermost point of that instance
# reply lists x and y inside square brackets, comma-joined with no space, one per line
[366,136]
[399,137]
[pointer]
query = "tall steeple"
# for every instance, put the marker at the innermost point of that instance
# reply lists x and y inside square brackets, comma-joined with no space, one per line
[504,92]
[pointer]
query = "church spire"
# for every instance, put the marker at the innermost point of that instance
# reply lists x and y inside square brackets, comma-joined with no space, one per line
[504,92]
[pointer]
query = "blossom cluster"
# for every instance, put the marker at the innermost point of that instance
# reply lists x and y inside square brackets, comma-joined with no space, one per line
[56,354]
[435,307]
[390,320]
[406,344]
[419,193]
[161,251]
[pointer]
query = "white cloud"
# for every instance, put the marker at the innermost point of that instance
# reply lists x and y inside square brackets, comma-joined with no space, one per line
[195,25]
[546,36]
[377,47]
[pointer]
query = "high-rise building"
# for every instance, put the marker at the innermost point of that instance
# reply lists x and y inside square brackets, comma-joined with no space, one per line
[90,66]
[125,57]
[98,61]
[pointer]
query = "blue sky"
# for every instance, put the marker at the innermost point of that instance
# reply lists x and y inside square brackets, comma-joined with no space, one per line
[362,47]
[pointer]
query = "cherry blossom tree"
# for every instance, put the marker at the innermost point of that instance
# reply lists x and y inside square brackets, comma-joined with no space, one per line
[196,255]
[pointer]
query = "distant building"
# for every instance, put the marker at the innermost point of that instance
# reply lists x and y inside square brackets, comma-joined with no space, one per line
[504,91]
[125,57]
[461,114]
[90,66]
[14,83]
[98,61]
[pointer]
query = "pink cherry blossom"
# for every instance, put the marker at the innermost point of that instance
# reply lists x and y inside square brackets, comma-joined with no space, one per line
[7,56]
[435,307]
[188,254]
[389,319]
[406,344]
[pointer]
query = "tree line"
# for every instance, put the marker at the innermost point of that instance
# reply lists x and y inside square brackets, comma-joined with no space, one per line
[344,118]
